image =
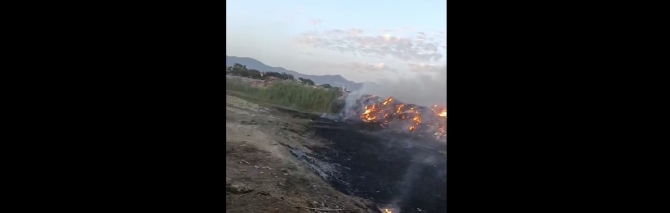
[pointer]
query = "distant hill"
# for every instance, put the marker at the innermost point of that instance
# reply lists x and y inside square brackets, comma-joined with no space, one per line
[334,80]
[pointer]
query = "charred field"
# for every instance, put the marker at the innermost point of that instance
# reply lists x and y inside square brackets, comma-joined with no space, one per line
[399,171]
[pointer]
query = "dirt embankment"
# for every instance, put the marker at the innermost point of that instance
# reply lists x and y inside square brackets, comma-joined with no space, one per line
[262,172]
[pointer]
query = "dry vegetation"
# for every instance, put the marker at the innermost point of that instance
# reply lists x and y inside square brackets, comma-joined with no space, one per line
[290,94]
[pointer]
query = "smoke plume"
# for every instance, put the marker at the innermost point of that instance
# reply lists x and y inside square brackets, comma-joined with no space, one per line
[425,89]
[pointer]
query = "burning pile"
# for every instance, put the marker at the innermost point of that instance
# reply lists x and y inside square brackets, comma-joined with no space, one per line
[397,116]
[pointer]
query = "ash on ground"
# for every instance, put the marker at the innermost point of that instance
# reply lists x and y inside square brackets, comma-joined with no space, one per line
[389,168]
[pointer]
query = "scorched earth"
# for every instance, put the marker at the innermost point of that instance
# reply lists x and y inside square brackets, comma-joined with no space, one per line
[262,172]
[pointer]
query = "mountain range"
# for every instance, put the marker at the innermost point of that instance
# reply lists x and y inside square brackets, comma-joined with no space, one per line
[333,80]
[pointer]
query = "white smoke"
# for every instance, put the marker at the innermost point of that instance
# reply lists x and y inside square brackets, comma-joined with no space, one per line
[424,90]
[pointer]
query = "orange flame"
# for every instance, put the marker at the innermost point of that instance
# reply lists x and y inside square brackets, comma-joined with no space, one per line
[389,100]
[386,111]
[443,113]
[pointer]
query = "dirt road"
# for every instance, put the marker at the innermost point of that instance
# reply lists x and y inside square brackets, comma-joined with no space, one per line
[261,173]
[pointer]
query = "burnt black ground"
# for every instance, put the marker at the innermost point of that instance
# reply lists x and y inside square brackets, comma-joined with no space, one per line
[385,167]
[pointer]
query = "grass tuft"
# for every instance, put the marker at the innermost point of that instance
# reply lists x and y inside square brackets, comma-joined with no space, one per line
[289,94]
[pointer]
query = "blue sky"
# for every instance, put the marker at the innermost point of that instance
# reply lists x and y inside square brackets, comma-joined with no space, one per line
[360,40]
[422,14]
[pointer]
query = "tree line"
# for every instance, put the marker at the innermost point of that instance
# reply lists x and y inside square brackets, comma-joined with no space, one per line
[243,71]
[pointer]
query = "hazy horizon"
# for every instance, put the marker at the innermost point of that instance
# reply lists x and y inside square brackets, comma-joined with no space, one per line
[393,42]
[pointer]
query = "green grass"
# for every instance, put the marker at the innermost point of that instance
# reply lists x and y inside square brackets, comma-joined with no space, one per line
[288,94]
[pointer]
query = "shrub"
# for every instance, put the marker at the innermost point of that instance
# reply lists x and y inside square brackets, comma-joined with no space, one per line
[289,94]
